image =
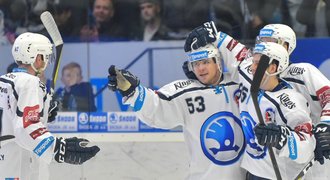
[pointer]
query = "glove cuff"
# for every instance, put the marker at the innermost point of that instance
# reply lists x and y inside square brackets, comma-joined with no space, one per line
[59,150]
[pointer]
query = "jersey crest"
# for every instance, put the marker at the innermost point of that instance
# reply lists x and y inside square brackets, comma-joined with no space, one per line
[222,138]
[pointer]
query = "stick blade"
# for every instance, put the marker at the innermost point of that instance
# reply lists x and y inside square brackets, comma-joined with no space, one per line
[49,23]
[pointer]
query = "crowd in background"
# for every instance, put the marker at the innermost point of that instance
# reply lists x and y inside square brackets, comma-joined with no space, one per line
[148,20]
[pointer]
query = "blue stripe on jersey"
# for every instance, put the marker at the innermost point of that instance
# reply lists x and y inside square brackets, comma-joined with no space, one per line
[169,98]
[12,86]
[43,145]
[225,92]
[140,100]
[292,145]
[277,106]
[314,98]
[222,37]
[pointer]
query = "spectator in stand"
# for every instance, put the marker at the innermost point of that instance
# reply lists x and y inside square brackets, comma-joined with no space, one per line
[76,95]
[152,28]
[102,25]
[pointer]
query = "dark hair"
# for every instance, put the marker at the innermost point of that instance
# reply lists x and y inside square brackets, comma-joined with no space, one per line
[11,67]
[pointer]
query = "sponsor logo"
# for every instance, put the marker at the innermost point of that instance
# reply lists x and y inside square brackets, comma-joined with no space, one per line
[2,157]
[198,55]
[31,115]
[285,101]
[38,132]
[324,95]
[222,138]
[3,90]
[83,118]
[98,119]
[43,146]
[296,71]
[259,48]
[115,118]
[266,32]
[325,113]
[242,54]
[232,44]
[61,118]
[222,37]
[182,84]
[292,147]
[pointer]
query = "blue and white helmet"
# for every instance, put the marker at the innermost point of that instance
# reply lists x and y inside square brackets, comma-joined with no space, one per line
[275,52]
[202,53]
[282,33]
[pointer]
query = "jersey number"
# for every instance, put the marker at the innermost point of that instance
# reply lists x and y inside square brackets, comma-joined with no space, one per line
[243,92]
[196,104]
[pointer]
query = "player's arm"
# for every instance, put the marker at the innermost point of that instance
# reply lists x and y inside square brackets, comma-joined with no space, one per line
[293,139]
[31,134]
[156,109]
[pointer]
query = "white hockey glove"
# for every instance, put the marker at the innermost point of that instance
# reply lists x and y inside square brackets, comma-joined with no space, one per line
[272,135]
[73,150]
[201,36]
[123,81]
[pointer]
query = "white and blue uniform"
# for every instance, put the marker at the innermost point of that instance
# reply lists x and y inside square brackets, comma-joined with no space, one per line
[210,120]
[237,58]
[22,107]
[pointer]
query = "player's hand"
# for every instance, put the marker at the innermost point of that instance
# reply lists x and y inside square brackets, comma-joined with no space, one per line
[53,109]
[74,150]
[201,36]
[322,135]
[123,81]
[272,135]
[189,74]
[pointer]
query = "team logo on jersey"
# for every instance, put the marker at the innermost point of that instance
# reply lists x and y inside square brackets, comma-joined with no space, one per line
[270,115]
[31,115]
[232,44]
[222,138]
[286,101]
[182,84]
[296,71]
[324,95]
[38,132]
[253,149]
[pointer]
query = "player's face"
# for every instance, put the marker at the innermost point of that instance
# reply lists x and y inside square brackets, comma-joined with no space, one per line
[71,77]
[148,11]
[207,71]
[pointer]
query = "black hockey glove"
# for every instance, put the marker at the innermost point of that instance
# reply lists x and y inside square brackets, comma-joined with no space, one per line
[123,81]
[272,135]
[322,136]
[189,74]
[204,34]
[73,150]
[53,109]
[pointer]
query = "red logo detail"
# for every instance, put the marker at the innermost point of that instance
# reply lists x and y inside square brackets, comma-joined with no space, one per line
[325,113]
[242,54]
[231,45]
[31,115]
[324,95]
[38,132]
[306,128]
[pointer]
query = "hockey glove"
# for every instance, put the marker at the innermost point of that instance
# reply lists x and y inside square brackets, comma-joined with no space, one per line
[322,136]
[123,81]
[203,35]
[189,74]
[272,135]
[73,150]
[53,109]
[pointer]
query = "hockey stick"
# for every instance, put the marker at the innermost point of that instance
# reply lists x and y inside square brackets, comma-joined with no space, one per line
[263,64]
[51,27]
[303,172]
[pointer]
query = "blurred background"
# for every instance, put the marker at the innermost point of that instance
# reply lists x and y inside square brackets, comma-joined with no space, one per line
[145,37]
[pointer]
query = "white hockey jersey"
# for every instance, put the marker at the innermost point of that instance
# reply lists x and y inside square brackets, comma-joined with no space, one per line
[210,120]
[238,59]
[22,98]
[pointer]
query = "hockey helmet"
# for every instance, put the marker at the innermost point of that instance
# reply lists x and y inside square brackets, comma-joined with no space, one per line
[282,33]
[275,52]
[28,45]
[203,53]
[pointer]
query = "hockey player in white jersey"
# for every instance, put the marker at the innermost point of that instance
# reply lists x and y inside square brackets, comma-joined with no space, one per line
[206,108]
[304,77]
[23,108]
